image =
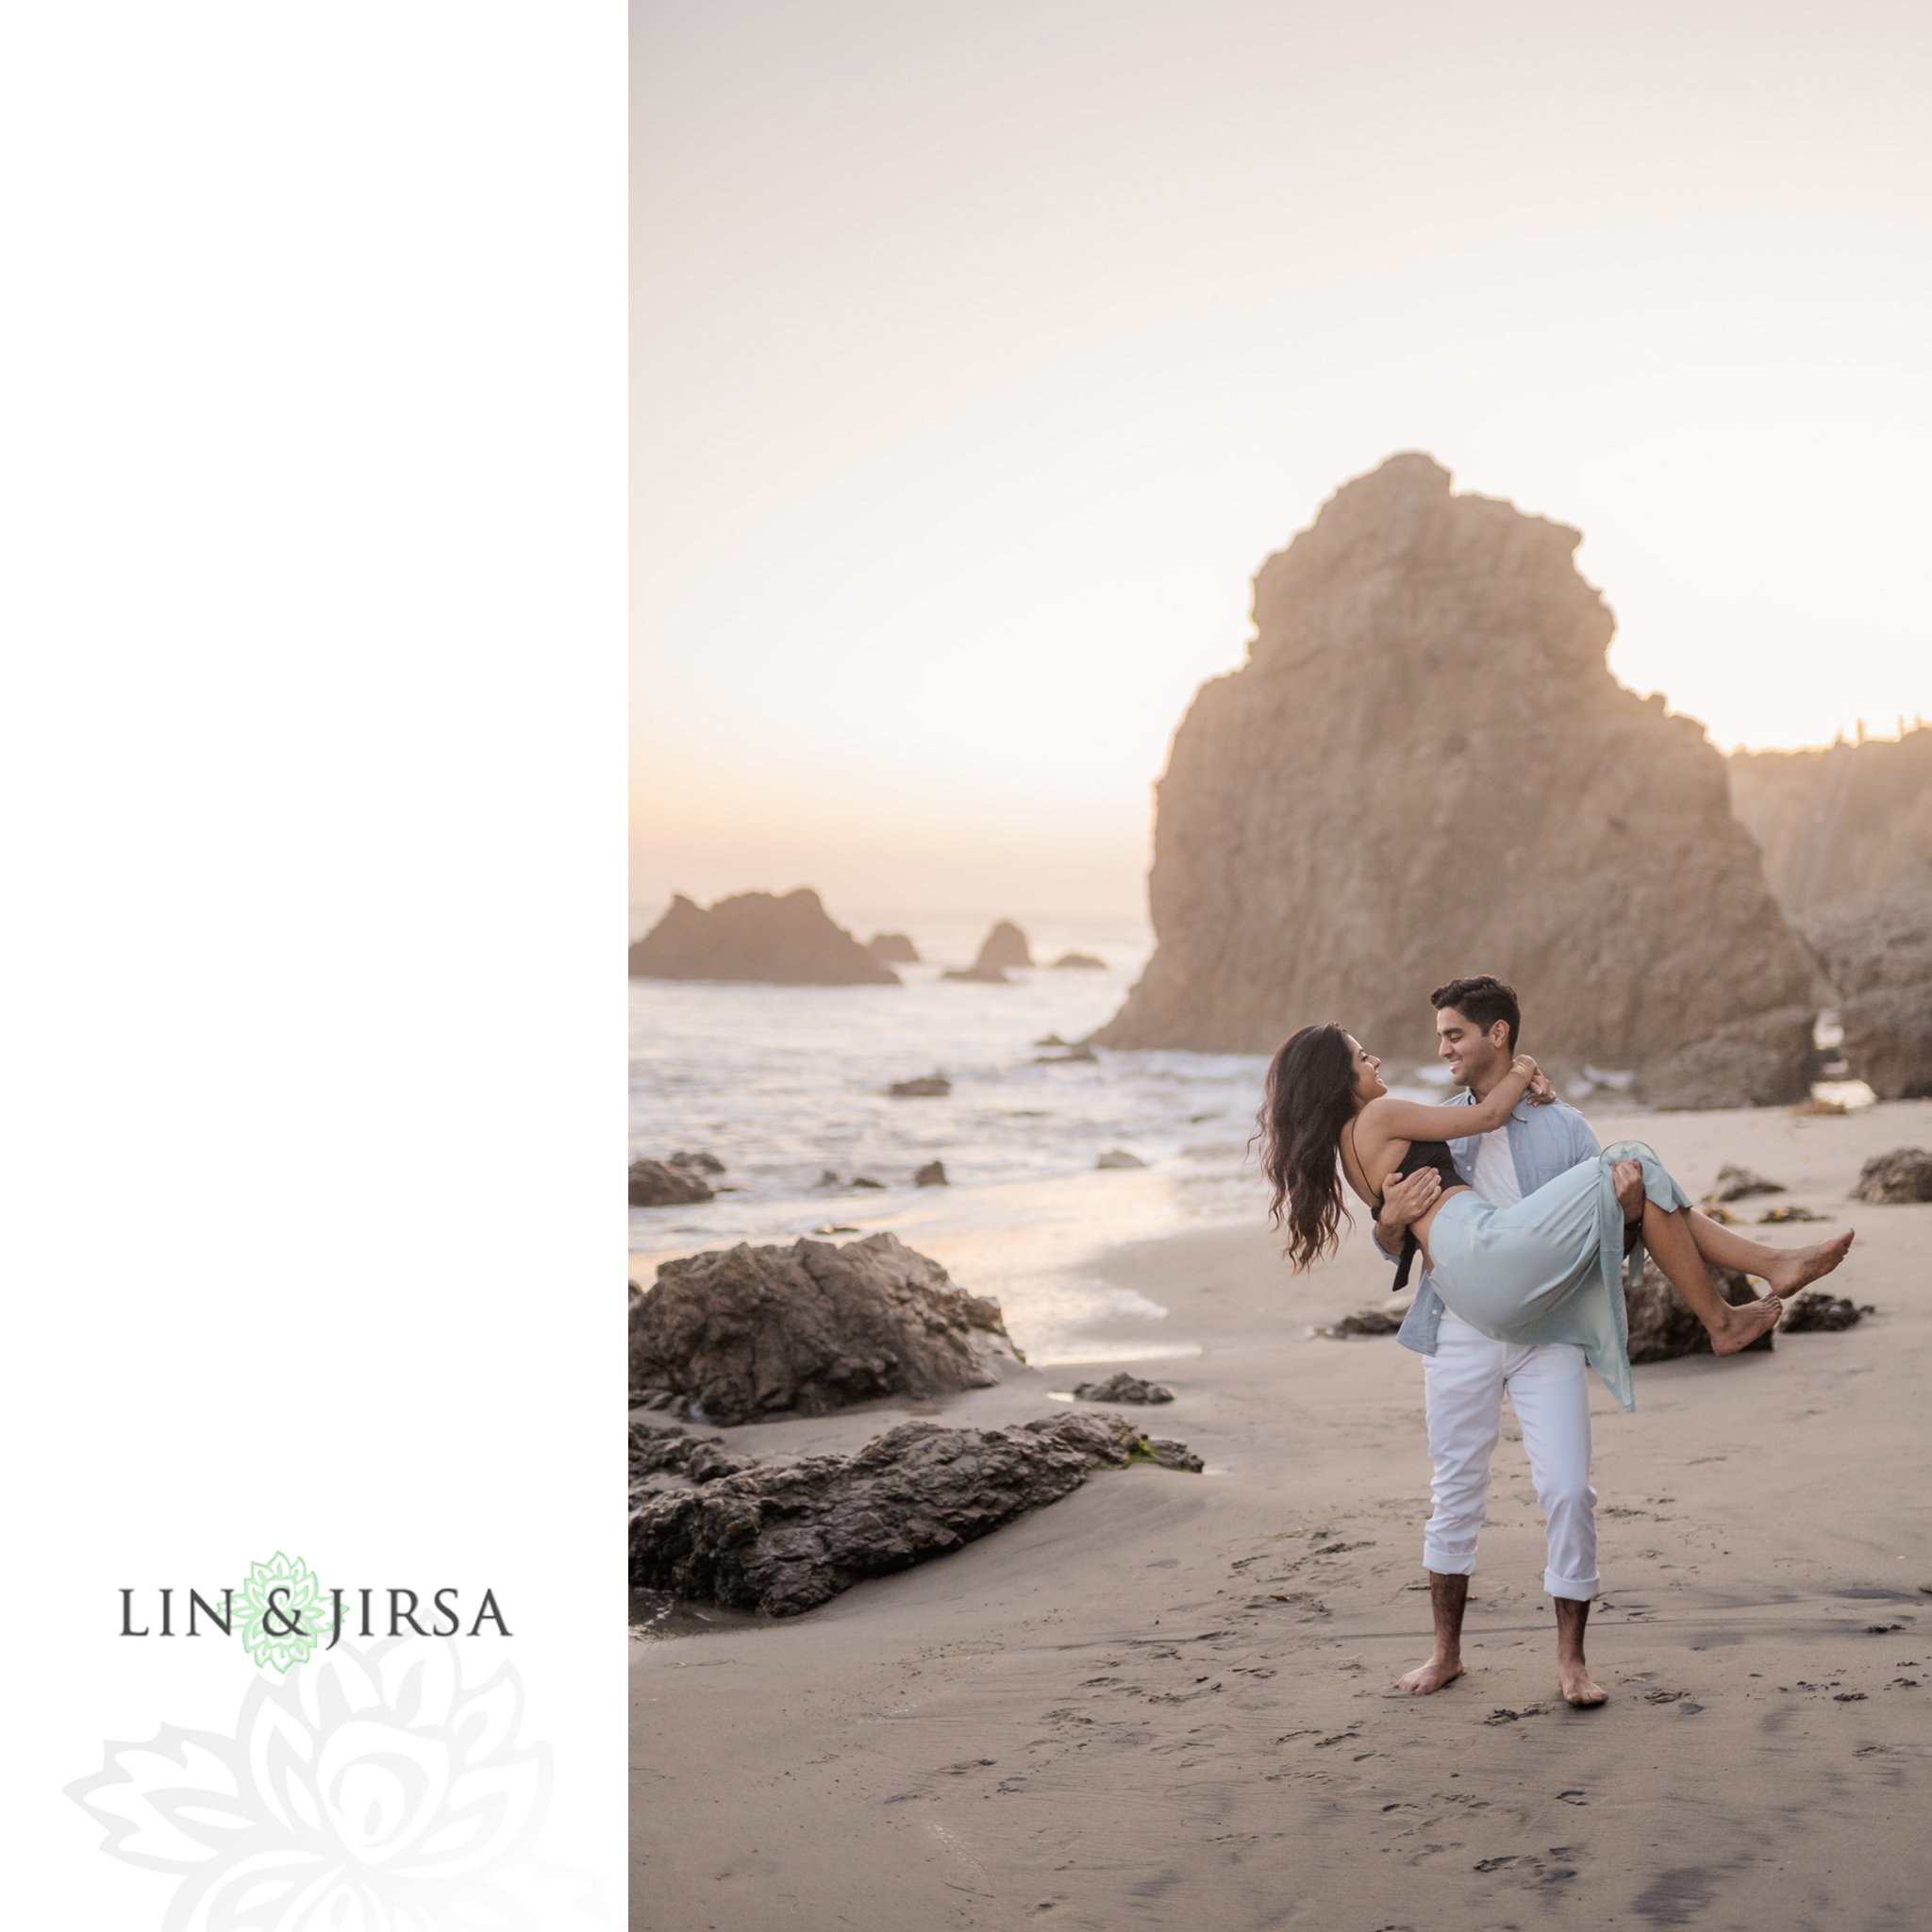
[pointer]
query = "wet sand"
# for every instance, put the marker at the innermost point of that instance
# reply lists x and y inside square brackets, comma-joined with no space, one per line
[1168,1700]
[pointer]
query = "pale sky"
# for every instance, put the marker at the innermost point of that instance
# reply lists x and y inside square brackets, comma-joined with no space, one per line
[986,347]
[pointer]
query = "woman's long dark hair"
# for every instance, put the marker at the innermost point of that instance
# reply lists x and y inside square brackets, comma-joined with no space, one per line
[1309,1099]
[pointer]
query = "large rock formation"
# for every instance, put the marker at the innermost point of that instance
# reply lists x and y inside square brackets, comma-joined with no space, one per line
[1661,1324]
[1877,951]
[739,1334]
[756,935]
[786,1537]
[1426,769]
[1837,824]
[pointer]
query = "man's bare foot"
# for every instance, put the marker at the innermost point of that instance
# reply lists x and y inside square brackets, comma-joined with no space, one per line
[1798,1268]
[1744,1325]
[1578,1687]
[1431,1675]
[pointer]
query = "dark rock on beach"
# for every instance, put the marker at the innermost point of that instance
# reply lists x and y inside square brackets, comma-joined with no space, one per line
[759,937]
[662,1184]
[1890,1180]
[1123,1388]
[927,1087]
[1740,1184]
[892,949]
[1367,1321]
[1661,1324]
[933,1175]
[737,1335]
[696,1164]
[1079,962]
[1079,1055]
[1118,1157]
[1815,1311]
[784,1536]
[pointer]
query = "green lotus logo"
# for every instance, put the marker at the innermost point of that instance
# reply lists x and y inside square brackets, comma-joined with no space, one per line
[280,1609]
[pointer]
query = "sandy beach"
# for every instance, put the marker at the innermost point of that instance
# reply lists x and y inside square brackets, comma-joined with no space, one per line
[1168,1699]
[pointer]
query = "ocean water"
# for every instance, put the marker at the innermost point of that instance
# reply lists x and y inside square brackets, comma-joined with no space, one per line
[786,1083]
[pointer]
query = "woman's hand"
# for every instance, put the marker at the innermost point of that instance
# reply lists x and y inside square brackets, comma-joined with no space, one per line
[1525,1066]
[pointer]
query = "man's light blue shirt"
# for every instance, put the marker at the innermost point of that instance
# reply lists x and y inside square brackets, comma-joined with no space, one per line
[1545,1142]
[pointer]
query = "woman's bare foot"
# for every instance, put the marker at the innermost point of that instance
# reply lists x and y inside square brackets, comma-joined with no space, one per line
[1431,1675]
[1744,1325]
[1797,1267]
[1578,1687]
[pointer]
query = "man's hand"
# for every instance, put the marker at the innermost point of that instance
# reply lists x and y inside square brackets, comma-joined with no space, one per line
[1627,1178]
[1403,1202]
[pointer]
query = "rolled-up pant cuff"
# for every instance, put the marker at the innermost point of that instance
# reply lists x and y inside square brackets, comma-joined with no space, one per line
[1577,1588]
[1444,1564]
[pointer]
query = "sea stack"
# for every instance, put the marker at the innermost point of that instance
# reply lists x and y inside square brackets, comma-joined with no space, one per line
[757,937]
[1426,769]
[1005,946]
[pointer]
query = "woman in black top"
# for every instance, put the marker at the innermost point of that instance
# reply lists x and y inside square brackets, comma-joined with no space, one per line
[1545,1269]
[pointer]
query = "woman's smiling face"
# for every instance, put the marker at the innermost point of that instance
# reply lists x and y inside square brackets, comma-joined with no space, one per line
[1368,1073]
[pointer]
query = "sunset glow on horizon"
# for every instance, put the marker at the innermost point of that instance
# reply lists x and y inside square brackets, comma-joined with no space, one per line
[983,355]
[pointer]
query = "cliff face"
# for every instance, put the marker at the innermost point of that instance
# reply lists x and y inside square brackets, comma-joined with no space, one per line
[1425,769]
[1877,947]
[1839,824]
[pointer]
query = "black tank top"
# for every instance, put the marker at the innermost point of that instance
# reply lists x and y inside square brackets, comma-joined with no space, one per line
[1421,1154]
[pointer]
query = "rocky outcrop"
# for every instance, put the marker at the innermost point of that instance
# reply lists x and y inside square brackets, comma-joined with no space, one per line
[927,1087]
[1839,824]
[933,1175]
[1118,1157]
[1366,1321]
[668,1184]
[1123,1388]
[742,1334]
[1895,1179]
[892,949]
[1817,1312]
[1079,962]
[1004,946]
[1740,1184]
[1876,950]
[784,1536]
[757,937]
[1426,769]
[1661,1324]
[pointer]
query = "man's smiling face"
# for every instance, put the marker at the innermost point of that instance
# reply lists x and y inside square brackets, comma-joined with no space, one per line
[1473,1056]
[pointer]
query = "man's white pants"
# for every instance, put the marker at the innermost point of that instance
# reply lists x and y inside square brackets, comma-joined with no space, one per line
[1464,1382]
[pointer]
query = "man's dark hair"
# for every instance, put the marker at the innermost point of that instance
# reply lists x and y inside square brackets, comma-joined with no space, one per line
[1483,998]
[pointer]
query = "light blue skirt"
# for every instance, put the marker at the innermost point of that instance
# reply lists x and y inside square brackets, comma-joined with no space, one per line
[1549,1267]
